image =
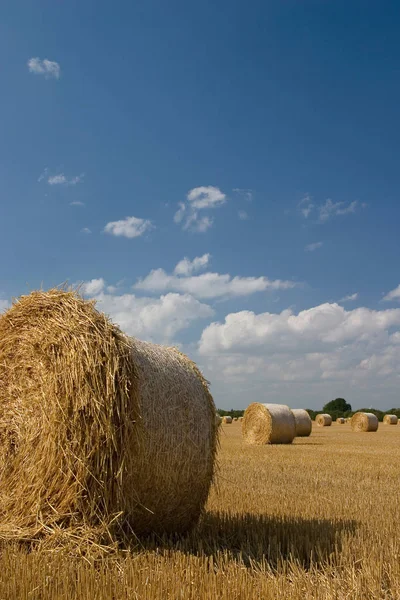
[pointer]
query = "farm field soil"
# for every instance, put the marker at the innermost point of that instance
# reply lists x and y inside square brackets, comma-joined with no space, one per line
[316,519]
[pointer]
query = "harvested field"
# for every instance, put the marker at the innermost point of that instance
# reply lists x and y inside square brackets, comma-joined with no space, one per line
[285,521]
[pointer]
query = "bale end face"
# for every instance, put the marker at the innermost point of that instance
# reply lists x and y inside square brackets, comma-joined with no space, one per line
[363,421]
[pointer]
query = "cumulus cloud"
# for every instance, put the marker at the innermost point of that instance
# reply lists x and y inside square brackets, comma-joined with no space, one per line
[393,295]
[47,68]
[207,285]
[130,227]
[187,267]
[155,319]
[311,356]
[313,246]
[199,199]
[319,327]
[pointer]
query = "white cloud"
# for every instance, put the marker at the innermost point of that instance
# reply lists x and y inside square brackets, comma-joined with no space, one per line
[309,357]
[349,298]
[155,319]
[77,203]
[243,216]
[93,287]
[208,285]
[199,199]
[393,295]
[313,246]
[323,326]
[61,179]
[45,67]
[86,230]
[130,227]
[187,267]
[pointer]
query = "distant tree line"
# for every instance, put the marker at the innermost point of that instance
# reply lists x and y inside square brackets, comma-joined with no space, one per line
[336,408]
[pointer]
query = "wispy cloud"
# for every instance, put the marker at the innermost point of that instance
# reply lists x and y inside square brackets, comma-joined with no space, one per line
[327,210]
[246,193]
[130,227]
[86,230]
[313,246]
[243,216]
[393,295]
[199,199]
[47,68]
[60,178]
[349,298]
[77,203]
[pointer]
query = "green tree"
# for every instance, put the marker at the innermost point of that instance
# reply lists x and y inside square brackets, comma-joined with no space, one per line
[339,405]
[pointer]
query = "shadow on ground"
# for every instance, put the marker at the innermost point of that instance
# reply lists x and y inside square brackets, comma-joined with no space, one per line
[259,539]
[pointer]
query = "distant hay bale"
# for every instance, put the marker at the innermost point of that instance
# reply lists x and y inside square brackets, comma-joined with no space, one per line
[240,419]
[303,422]
[268,424]
[97,428]
[390,420]
[341,420]
[227,420]
[363,421]
[218,419]
[234,419]
[323,420]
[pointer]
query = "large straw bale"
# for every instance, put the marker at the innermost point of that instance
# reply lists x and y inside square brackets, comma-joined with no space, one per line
[341,420]
[303,422]
[390,420]
[97,428]
[268,424]
[227,420]
[363,421]
[323,420]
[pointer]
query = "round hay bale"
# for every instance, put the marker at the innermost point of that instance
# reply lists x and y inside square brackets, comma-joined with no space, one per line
[390,420]
[323,420]
[268,424]
[341,420]
[227,420]
[218,420]
[234,419]
[303,422]
[363,421]
[97,428]
[240,419]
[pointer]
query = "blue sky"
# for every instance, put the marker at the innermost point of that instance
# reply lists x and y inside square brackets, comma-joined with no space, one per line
[260,138]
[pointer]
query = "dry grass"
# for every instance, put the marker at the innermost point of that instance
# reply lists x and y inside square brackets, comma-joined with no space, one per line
[316,519]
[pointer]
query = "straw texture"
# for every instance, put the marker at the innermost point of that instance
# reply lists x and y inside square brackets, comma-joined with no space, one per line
[363,421]
[323,420]
[97,430]
[390,420]
[268,424]
[303,422]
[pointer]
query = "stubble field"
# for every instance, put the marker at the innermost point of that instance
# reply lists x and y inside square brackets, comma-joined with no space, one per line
[316,519]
